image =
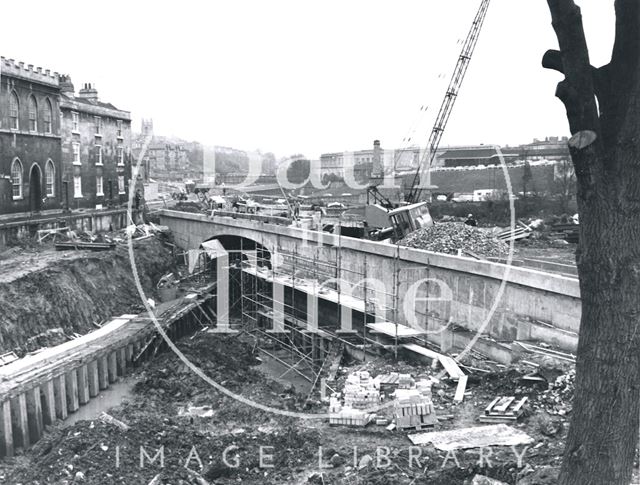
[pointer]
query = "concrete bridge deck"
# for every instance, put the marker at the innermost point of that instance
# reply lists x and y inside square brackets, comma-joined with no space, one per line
[454,297]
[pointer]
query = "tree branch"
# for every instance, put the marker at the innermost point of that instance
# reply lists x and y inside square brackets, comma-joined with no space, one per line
[577,91]
[552,59]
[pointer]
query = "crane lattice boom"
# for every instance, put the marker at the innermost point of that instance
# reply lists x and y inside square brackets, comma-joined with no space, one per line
[449,100]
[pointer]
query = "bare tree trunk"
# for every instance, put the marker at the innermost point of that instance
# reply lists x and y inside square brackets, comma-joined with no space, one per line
[604,424]
[605,151]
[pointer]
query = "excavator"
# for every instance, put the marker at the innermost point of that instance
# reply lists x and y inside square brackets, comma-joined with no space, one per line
[385,219]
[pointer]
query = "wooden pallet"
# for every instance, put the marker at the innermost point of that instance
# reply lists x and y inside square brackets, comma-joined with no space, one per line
[418,427]
[503,410]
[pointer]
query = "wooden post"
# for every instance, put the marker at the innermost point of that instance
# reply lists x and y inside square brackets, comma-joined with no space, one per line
[130,355]
[34,413]
[94,378]
[72,391]
[20,421]
[113,367]
[6,444]
[48,403]
[103,372]
[83,385]
[60,392]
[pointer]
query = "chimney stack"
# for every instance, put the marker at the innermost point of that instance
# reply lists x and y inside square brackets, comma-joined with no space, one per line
[66,86]
[89,92]
[377,169]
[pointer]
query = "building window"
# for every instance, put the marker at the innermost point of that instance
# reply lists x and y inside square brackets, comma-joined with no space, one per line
[75,122]
[99,188]
[33,114]
[121,184]
[120,151]
[50,178]
[98,122]
[14,106]
[98,154]
[16,179]
[76,153]
[77,186]
[119,128]
[48,117]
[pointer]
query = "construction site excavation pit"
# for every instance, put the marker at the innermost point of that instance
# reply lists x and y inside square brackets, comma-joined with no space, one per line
[60,381]
[298,391]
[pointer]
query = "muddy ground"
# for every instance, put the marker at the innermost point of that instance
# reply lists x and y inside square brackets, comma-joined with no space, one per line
[46,295]
[93,452]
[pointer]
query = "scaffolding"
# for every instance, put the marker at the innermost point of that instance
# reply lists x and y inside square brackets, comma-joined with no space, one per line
[284,294]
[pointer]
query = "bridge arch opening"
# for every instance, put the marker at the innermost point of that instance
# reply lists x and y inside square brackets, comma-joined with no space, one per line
[243,252]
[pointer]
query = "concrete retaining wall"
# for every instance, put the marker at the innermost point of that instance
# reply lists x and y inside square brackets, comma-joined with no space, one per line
[500,302]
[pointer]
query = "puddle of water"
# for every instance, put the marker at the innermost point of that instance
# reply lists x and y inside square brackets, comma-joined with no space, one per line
[113,396]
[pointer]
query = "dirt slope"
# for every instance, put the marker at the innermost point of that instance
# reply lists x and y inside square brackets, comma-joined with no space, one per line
[46,296]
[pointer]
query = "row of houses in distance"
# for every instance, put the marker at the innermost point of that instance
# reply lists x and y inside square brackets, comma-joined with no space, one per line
[169,158]
[59,149]
[371,161]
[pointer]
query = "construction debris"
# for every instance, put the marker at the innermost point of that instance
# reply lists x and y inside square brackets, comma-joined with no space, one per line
[558,398]
[503,409]
[484,480]
[413,408]
[346,415]
[520,231]
[7,358]
[107,418]
[481,436]
[449,238]
[361,391]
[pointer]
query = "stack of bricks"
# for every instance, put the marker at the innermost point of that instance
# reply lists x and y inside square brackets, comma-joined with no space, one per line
[405,381]
[424,387]
[414,409]
[361,391]
[346,415]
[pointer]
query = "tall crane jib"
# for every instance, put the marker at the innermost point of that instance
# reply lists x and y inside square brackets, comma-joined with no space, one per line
[418,183]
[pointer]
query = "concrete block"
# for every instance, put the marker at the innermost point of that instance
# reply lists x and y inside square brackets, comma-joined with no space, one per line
[6,430]
[83,385]
[130,355]
[121,361]
[47,394]
[93,378]
[71,382]
[113,367]
[20,421]
[60,393]
[34,414]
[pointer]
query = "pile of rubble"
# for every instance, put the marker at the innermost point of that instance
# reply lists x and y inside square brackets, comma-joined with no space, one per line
[558,397]
[453,238]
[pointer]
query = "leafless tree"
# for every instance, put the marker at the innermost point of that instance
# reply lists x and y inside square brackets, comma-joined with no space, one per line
[603,110]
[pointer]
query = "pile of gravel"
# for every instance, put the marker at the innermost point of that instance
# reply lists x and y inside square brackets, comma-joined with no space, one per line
[448,238]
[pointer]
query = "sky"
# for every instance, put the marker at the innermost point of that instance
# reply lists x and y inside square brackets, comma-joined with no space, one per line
[298,76]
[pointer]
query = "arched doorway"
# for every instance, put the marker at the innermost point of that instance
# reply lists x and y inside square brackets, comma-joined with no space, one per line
[35,188]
